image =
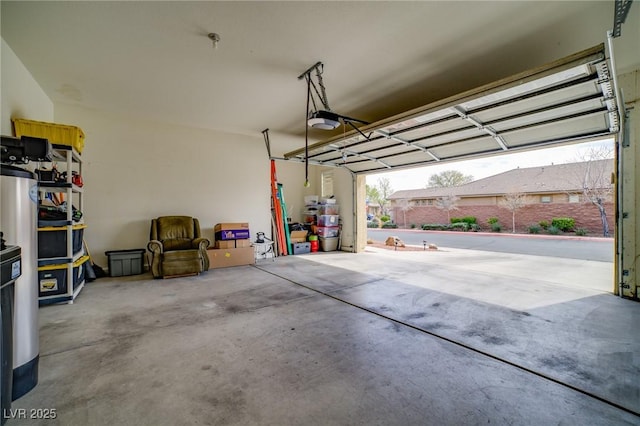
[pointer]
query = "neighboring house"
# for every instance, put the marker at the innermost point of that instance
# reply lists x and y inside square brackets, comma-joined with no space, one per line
[548,192]
[373,209]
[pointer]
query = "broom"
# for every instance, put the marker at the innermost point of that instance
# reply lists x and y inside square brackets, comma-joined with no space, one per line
[93,270]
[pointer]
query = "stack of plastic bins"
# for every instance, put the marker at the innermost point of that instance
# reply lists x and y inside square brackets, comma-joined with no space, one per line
[310,209]
[328,226]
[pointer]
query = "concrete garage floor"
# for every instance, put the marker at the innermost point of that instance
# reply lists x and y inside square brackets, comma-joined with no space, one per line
[453,337]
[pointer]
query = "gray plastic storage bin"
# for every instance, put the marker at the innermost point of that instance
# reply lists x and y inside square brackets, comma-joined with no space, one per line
[125,262]
[328,244]
[301,248]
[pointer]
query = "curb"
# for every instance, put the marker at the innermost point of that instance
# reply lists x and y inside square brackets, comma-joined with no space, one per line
[499,234]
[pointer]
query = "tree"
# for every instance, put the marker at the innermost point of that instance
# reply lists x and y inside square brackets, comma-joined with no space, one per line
[595,181]
[373,195]
[513,202]
[448,178]
[404,204]
[372,199]
[385,190]
[447,203]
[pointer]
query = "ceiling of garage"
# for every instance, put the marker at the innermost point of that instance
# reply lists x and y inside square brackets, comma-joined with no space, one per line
[153,60]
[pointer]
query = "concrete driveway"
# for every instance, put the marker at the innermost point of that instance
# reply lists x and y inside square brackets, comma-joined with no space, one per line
[569,246]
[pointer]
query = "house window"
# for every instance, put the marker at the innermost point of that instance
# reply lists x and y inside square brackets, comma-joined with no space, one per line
[327,184]
[545,198]
[574,198]
[429,202]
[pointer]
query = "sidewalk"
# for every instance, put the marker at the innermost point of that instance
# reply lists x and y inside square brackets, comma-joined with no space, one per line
[502,234]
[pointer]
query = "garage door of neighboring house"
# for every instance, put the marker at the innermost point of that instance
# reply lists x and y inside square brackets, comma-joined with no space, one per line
[571,100]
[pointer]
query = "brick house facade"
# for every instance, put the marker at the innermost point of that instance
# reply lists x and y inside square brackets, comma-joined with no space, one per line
[549,192]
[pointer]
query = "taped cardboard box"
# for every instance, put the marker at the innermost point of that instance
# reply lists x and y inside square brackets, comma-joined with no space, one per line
[228,244]
[243,243]
[230,226]
[223,258]
[298,236]
[225,244]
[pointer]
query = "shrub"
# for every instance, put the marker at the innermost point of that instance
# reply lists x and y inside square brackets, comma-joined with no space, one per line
[475,227]
[543,224]
[581,232]
[385,218]
[553,230]
[388,225]
[564,224]
[459,226]
[434,227]
[467,219]
[496,227]
[492,220]
[534,229]
[373,223]
[412,226]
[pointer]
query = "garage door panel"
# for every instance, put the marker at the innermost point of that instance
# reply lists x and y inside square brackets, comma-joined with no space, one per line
[569,100]
[452,125]
[566,95]
[587,107]
[430,141]
[526,88]
[483,144]
[582,127]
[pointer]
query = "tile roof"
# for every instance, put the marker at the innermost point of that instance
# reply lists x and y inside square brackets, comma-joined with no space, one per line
[541,179]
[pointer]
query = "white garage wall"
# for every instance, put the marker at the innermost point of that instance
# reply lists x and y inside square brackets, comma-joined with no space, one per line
[135,170]
[22,96]
[291,175]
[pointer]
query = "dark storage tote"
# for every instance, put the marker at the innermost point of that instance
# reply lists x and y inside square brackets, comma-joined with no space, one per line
[125,262]
[301,248]
[52,241]
[52,279]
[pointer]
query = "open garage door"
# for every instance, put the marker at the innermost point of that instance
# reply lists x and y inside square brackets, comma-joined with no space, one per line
[568,101]
[571,100]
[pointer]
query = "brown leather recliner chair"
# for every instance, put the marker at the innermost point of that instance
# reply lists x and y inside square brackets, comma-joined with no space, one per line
[177,247]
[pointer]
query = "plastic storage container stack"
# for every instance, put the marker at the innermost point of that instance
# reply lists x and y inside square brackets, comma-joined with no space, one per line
[310,209]
[328,221]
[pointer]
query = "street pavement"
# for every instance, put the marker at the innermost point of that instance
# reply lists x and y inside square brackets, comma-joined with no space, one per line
[569,247]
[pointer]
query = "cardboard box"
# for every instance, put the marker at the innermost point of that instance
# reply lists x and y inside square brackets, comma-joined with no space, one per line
[230,226]
[225,244]
[229,244]
[243,243]
[222,258]
[232,234]
[298,237]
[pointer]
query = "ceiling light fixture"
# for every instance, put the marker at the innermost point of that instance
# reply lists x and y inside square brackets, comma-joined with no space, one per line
[319,118]
[325,120]
[215,38]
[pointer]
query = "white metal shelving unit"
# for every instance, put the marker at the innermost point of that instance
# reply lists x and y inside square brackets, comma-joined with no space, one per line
[67,159]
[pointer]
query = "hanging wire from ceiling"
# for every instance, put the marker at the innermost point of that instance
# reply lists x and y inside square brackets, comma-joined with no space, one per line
[321,118]
[306,138]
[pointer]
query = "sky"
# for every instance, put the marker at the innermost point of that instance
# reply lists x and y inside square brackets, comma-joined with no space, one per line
[483,167]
